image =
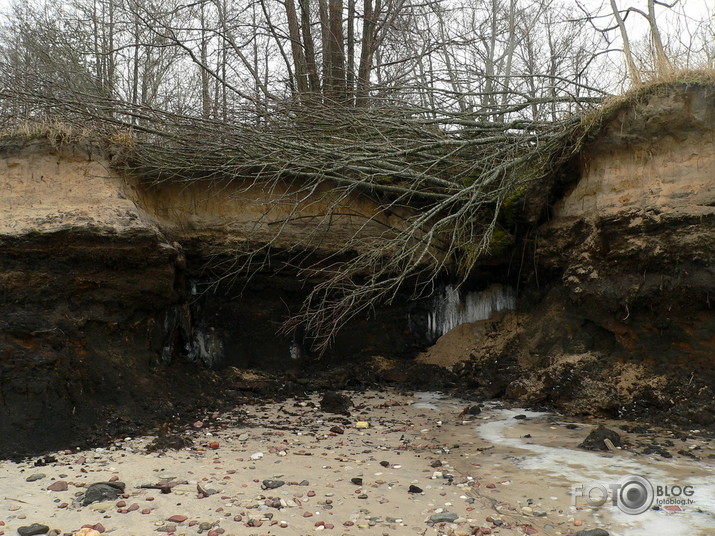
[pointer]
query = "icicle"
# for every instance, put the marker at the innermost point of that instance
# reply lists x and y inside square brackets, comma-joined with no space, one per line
[451,309]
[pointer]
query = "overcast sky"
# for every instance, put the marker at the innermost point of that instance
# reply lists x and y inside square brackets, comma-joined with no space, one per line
[689,13]
[694,9]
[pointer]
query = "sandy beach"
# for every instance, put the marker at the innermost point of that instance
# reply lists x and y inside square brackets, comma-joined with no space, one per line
[394,464]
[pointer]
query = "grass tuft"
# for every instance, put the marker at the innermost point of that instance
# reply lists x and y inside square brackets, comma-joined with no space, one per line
[592,121]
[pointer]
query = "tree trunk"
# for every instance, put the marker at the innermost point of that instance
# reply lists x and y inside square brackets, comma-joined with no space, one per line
[633,73]
[309,45]
[366,53]
[337,50]
[205,92]
[662,63]
[296,46]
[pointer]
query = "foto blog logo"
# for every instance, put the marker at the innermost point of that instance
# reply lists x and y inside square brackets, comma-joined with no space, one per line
[632,494]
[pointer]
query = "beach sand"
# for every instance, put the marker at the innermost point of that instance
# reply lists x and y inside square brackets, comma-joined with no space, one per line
[290,468]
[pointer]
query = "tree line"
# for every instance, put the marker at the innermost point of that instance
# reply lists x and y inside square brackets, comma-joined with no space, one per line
[239,59]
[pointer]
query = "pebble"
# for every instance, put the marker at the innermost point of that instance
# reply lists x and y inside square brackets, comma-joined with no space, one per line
[60,485]
[444,517]
[592,532]
[272,484]
[103,491]
[86,531]
[36,476]
[178,518]
[32,530]
[414,489]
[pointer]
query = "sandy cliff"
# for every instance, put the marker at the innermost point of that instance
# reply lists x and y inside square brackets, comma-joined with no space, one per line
[617,314]
[110,287]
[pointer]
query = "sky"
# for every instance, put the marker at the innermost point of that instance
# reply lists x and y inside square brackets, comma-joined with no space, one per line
[693,9]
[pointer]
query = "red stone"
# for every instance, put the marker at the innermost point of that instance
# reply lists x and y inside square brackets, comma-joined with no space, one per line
[214,445]
[60,485]
[178,518]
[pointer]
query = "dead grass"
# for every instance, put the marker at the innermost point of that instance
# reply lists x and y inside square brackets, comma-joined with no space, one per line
[61,134]
[592,122]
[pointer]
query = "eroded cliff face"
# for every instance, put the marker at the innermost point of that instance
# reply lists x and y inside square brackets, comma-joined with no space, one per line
[117,296]
[617,315]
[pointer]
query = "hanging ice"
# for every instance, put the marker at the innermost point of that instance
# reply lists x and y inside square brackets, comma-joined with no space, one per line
[452,308]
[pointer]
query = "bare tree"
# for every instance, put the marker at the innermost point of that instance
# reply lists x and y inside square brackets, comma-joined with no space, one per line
[438,114]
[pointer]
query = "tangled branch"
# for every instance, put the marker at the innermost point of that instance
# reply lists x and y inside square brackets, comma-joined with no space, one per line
[439,184]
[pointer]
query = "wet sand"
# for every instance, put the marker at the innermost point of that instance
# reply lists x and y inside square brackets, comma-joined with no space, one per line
[484,474]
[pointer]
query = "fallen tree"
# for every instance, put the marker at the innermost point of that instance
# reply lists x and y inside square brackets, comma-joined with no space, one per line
[454,179]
